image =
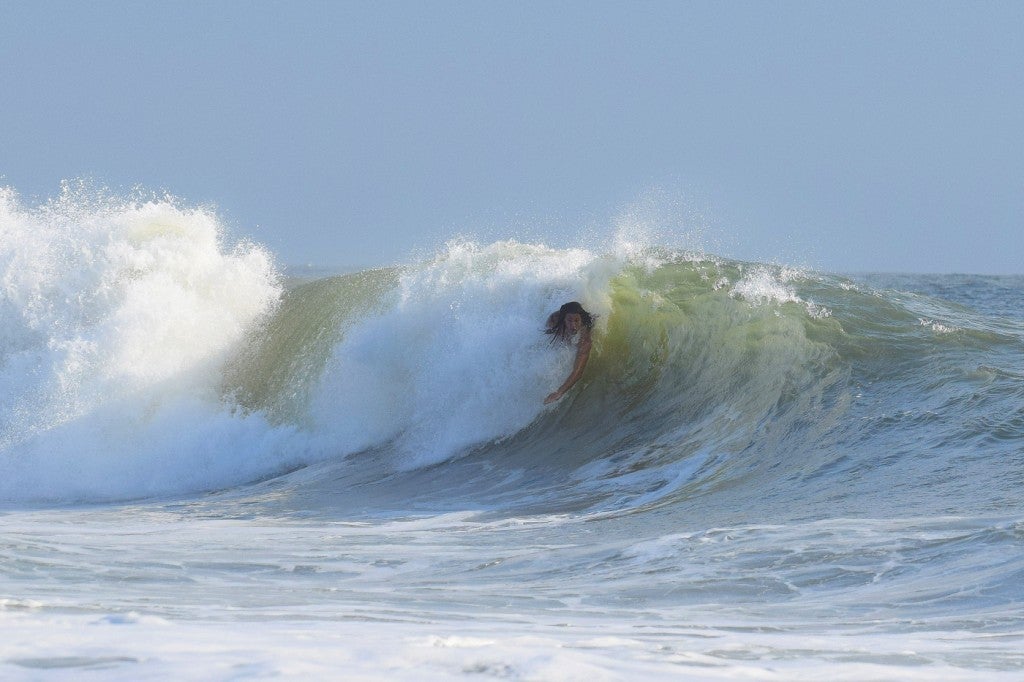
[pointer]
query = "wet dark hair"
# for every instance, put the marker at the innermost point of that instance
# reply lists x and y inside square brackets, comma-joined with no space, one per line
[556,322]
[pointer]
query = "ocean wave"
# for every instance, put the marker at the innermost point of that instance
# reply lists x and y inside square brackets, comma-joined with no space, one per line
[145,355]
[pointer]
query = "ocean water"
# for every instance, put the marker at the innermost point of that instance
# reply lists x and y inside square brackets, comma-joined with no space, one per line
[214,469]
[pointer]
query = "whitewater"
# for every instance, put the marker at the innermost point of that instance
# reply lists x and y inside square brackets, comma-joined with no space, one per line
[216,468]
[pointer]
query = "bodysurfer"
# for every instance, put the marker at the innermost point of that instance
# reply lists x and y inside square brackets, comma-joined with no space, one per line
[563,325]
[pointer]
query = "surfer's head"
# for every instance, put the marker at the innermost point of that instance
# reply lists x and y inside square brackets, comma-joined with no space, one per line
[567,320]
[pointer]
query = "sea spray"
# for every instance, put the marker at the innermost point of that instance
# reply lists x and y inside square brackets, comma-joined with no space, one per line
[118,316]
[456,358]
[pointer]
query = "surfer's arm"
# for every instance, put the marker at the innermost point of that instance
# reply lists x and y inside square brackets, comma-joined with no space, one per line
[582,355]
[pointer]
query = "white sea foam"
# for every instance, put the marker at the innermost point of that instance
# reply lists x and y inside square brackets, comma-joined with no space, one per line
[456,357]
[117,317]
[154,594]
[762,285]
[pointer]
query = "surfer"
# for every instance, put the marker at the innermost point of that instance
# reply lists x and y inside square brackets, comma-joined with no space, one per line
[563,325]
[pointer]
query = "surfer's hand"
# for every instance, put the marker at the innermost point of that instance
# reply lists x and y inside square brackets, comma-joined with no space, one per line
[552,398]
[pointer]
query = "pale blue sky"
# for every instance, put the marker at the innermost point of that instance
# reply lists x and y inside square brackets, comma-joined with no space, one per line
[843,136]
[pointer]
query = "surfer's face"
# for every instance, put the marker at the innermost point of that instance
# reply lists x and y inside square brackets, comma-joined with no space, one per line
[573,322]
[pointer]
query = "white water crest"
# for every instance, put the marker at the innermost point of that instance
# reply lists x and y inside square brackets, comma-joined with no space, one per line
[455,358]
[117,316]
